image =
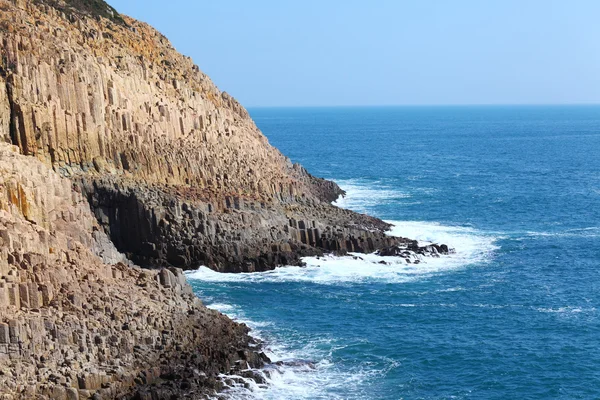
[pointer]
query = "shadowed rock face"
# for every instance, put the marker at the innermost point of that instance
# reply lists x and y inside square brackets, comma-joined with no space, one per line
[229,234]
[176,171]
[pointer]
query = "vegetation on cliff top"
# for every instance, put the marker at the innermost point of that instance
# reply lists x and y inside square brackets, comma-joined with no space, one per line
[93,8]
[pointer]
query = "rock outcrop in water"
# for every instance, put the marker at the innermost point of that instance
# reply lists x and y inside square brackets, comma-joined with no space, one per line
[116,150]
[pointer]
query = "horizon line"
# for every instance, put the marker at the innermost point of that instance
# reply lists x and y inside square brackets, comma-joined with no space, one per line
[430,105]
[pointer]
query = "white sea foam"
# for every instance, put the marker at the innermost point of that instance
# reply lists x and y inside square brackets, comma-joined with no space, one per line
[472,247]
[566,310]
[361,196]
[320,379]
[223,308]
[589,232]
[301,382]
[313,379]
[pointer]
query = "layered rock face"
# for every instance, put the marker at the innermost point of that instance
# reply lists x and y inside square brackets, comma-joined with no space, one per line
[77,322]
[175,170]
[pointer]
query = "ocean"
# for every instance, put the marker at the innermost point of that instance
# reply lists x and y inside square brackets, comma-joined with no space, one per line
[514,314]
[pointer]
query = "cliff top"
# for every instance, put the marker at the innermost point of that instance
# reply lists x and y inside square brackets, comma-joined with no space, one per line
[93,8]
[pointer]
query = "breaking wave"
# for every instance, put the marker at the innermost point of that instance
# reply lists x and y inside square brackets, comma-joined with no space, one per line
[297,371]
[472,247]
[303,368]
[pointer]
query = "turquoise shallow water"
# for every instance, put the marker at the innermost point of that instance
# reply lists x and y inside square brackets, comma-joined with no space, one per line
[514,314]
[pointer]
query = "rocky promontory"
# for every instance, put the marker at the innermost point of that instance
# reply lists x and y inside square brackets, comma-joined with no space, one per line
[176,172]
[121,164]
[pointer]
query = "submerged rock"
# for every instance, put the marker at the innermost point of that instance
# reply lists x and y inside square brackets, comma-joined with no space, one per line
[411,249]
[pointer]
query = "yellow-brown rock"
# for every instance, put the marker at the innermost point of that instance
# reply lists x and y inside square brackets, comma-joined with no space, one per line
[4,113]
[95,95]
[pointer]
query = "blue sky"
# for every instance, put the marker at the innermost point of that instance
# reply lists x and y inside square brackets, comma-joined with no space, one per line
[387,52]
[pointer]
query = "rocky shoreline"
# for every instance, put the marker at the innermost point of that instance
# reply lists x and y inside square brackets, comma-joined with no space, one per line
[77,320]
[121,165]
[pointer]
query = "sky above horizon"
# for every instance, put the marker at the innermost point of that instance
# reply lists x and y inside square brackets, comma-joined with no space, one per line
[387,52]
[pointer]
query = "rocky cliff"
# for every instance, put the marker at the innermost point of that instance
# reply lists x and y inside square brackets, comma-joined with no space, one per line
[115,150]
[176,171]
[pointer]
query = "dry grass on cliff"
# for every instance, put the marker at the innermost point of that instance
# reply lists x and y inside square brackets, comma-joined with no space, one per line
[94,8]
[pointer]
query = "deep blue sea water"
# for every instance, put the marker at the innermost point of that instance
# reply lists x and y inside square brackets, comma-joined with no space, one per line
[513,315]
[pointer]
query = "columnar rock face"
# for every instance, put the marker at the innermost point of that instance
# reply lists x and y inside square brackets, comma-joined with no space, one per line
[115,148]
[94,96]
[43,198]
[163,227]
[77,322]
[4,113]
[175,170]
